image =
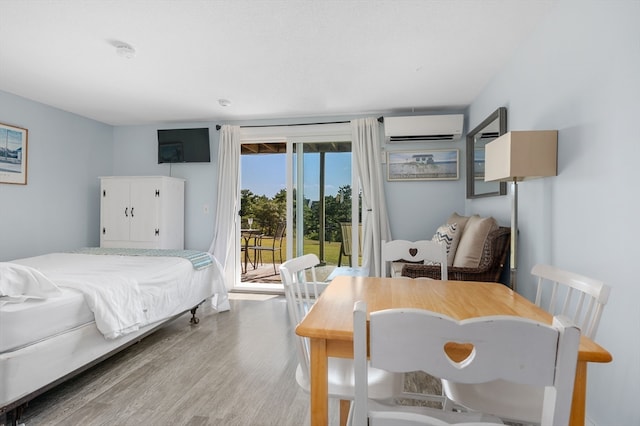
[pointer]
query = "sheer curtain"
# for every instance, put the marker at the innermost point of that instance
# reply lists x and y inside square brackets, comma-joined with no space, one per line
[366,144]
[227,206]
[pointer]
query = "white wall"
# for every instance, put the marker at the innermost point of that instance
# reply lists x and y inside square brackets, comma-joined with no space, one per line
[135,153]
[58,209]
[580,74]
[417,208]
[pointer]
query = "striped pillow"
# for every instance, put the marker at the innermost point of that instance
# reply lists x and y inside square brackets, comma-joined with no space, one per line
[446,235]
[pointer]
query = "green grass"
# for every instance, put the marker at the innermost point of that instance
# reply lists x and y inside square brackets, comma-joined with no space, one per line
[331,251]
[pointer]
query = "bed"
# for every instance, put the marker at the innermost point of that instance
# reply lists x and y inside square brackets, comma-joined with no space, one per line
[61,313]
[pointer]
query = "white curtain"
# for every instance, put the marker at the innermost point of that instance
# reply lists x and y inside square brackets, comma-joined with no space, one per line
[226,214]
[366,146]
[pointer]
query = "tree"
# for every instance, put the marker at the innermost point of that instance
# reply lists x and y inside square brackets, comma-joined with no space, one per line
[267,212]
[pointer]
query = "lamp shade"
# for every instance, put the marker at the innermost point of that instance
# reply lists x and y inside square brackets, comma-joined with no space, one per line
[520,155]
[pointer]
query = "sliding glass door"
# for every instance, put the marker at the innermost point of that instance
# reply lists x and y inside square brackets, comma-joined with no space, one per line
[307,182]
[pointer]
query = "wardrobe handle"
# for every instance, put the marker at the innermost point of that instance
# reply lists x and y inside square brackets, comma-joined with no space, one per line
[126,211]
[131,211]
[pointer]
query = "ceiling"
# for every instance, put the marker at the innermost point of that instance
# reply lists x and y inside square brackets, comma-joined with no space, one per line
[269,58]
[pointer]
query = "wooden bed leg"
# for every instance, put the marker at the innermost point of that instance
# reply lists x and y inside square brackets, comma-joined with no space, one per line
[194,319]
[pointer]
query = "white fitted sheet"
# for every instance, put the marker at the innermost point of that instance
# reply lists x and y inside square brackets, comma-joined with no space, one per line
[34,320]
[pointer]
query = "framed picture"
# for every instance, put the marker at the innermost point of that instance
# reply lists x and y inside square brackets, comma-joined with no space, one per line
[436,164]
[13,154]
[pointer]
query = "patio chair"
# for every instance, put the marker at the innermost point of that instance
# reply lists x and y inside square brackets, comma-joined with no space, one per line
[270,243]
[345,245]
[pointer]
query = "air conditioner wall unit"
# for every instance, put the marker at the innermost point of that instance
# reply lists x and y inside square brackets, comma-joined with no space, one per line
[424,128]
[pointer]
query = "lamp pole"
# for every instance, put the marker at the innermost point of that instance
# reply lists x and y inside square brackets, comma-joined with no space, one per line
[514,235]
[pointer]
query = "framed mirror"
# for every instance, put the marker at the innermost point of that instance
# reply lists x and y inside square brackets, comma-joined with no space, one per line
[493,126]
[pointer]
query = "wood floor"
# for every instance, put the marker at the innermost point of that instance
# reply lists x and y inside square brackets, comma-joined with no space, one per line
[233,368]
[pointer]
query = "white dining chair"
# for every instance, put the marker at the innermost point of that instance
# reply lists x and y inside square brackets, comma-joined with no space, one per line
[397,252]
[502,347]
[582,300]
[301,290]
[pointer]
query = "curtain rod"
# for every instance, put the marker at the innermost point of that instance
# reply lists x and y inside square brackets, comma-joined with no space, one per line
[218,127]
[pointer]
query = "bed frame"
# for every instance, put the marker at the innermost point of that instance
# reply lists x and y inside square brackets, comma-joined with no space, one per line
[10,414]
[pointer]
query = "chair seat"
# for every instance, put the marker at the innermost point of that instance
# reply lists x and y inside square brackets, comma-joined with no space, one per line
[499,398]
[387,415]
[383,385]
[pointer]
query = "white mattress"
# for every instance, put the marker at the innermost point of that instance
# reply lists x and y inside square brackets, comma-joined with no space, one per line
[169,285]
[34,320]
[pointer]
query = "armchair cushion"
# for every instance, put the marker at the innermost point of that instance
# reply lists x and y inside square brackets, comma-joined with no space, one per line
[472,241]
[446,234]
[461,221]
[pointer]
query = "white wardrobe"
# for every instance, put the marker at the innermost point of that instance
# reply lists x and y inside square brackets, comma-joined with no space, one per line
[142,212]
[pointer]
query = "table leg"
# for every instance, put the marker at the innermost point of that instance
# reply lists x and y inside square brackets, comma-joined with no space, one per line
[578,403]
[246,253]
[319,384]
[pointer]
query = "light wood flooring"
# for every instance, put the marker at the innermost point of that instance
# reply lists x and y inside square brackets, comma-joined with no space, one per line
[233,368]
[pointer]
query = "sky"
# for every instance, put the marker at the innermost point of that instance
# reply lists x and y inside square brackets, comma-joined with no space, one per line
[265,174]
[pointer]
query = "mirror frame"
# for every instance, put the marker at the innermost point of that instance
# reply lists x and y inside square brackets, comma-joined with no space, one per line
[501,115]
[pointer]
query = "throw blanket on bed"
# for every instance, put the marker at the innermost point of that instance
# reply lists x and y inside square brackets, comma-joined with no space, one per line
[114,299]
[198,259]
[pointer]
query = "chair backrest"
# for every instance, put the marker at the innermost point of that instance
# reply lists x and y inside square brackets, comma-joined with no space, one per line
[413,251]
[503,347]
[281,228]
[301,290]
[580,298]
[345,231]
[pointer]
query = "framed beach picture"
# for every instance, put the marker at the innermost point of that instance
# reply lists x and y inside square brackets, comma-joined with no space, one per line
[13,154]
[435,164]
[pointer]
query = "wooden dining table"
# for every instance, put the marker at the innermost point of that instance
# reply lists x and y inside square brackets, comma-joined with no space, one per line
[329,323]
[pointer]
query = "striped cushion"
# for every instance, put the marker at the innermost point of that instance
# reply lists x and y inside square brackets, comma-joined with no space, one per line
[446,235]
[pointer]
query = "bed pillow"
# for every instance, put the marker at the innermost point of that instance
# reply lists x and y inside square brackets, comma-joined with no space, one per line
[446,234]
[25,282]
[471,244]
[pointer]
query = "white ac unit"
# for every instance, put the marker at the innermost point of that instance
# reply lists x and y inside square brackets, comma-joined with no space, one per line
[423,128]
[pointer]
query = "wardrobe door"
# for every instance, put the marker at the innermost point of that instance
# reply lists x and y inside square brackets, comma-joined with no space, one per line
[115,211]
[145,210]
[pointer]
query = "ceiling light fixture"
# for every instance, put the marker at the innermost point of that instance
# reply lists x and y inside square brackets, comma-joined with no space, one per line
[224,102]
[125,51]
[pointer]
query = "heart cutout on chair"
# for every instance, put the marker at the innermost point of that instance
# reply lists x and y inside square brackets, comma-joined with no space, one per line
[413,252]
[459,354]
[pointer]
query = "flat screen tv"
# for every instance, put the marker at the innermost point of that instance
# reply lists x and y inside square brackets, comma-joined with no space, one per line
[183,146]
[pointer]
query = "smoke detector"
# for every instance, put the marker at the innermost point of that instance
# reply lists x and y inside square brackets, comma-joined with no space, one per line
[125,50]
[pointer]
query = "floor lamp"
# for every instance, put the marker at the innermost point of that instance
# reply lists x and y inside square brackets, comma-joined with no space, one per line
[517,156]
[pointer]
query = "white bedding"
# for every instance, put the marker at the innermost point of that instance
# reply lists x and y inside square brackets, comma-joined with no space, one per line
[34,320]
[127,292]
[43,339]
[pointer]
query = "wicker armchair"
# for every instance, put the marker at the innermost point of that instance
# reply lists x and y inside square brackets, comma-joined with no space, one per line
[494,256]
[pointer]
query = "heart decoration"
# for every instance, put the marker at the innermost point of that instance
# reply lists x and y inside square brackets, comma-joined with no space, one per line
[413,252]
[459,354]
